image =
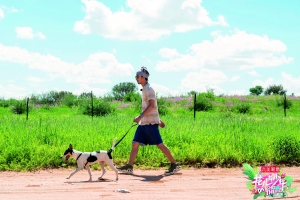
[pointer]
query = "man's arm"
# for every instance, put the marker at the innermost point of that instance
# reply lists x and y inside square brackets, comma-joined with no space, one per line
[146,111]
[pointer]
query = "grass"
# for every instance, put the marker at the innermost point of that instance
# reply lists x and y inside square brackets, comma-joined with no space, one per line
[221,137]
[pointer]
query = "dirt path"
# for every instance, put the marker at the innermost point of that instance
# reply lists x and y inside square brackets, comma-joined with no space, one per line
[189,184]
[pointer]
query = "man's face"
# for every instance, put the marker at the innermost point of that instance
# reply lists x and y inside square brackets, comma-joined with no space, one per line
[138,79]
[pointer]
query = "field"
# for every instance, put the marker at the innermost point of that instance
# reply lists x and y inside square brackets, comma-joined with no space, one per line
[220,137]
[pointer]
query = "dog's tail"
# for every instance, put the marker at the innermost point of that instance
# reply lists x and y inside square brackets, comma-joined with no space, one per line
[111,149]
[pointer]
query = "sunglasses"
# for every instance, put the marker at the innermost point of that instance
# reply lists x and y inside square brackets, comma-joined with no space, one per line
[137,76]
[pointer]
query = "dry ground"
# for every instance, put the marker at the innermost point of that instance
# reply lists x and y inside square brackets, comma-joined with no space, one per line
[204,183]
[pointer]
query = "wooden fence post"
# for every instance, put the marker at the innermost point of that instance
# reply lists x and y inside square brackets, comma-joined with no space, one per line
[27,109]
[194,106]
[92,104]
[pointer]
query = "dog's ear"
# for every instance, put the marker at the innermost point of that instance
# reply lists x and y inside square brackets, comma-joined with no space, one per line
[70,146]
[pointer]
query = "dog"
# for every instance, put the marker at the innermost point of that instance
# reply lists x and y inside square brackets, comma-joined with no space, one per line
[86,159]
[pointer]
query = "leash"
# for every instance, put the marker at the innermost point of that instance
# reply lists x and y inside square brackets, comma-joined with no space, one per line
[125,134]
[109,151]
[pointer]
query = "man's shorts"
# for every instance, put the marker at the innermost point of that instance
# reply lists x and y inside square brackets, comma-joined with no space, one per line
[147,135]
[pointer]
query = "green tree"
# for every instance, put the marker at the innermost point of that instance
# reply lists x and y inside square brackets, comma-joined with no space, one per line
[275,89]
[121,89]
[257,90]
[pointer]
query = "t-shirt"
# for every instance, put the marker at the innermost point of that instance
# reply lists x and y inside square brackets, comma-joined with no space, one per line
[153,116]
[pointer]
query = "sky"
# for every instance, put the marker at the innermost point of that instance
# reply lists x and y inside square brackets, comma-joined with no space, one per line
[81,46]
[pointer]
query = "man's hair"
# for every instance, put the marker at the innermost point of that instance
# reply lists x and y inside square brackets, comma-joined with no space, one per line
[144,69]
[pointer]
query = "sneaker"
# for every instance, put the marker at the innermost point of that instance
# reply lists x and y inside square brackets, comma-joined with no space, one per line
[175,167]
[126,169]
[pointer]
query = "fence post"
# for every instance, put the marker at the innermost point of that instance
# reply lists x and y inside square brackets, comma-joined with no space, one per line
[284,104]
[27,109]
[92,105]
[194,106]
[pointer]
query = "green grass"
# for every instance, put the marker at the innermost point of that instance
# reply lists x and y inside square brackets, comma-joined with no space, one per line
[220,137]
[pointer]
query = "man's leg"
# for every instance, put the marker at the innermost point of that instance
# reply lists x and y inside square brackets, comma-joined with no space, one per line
[134,152]
[166,151]
[174,167]
[128,168]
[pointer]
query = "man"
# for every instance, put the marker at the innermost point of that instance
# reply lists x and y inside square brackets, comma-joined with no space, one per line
[147,133]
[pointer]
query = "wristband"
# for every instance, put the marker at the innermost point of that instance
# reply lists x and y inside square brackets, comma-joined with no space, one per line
[141,115]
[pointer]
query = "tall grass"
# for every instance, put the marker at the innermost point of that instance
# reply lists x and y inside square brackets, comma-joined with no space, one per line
[220,137]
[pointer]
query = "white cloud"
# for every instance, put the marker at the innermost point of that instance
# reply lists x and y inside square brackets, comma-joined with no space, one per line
[264,84]
[146,20]
[168,53]
[1,14]
[237,92]
[234,78]
[253,73]
[86,88]
[164,91]
[290,83]
[238,51]
[12,91]
[98,68]
[201,81]
[36,79]
[27,33]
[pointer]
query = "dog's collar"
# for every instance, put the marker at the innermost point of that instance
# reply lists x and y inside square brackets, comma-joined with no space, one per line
[79,156]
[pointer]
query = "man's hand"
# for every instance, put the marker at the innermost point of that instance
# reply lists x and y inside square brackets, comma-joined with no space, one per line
[161,124]
[137,119]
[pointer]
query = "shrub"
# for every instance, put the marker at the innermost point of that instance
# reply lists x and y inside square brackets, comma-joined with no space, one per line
[19,107]
[68,100]
[203,102]
[132,97]
[243,108]
[100,108]
[282,103]
[287,149]
[4,103]
[162,106]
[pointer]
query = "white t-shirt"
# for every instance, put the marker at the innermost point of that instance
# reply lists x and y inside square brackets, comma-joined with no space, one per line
[153,116]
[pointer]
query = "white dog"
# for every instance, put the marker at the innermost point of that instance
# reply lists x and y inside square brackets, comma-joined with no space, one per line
[85,159]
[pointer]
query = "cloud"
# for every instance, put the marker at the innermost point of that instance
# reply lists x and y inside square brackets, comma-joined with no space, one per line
[1,14]
[203,80]
[238,51]
[12,91]
[164,91]
[86,88]
[253,73]
[145,20]
[264,84]
[98,68]
[291,83]
[27,33]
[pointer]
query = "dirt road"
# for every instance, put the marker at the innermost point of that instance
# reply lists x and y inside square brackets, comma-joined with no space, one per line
[189,184]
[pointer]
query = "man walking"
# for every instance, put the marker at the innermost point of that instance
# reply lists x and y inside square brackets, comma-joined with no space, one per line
[147,133]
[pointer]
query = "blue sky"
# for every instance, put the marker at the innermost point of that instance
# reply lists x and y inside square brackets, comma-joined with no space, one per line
[88,45]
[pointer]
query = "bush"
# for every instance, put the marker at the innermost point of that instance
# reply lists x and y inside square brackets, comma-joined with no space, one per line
[287,150]
[18,107]
[162,106]
[4,103]
[101,108]
[243,108]
[203,102]
[132,97]
[69,100]
[282,103]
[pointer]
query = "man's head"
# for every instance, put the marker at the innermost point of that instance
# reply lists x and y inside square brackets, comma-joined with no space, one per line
[142,74]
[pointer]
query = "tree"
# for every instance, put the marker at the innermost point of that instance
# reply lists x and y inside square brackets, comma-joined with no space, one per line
[275,89]
[257,90]
[121,89]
